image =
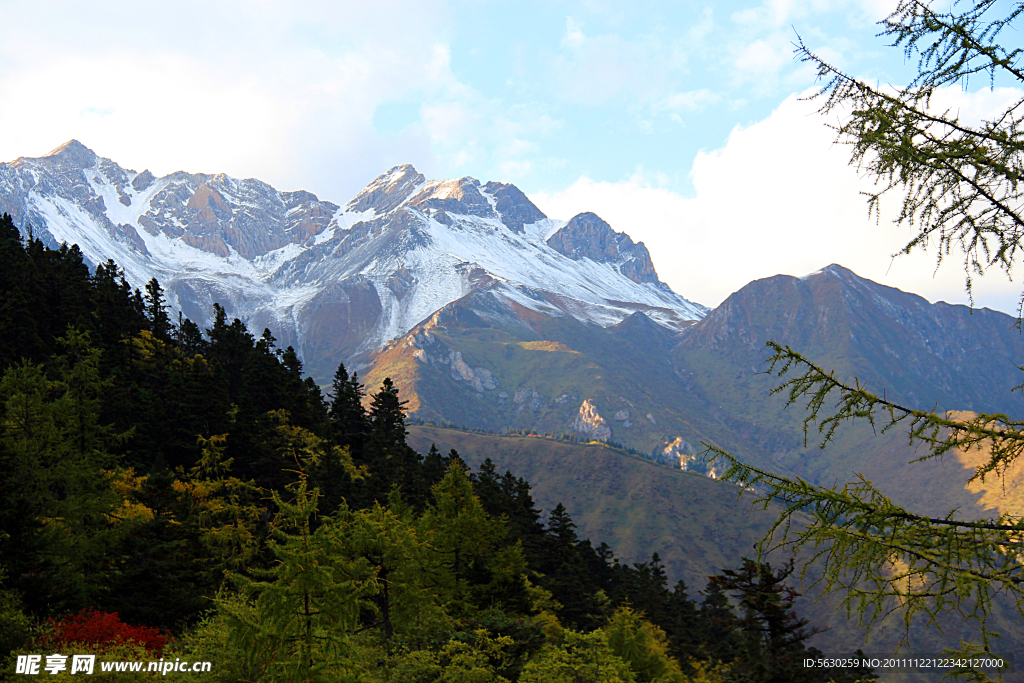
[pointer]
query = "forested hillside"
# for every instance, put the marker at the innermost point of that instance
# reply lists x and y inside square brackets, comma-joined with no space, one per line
[196,485]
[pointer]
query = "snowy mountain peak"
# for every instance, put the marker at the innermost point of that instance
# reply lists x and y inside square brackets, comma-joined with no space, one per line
[337,284]
[402,186]
[514,208]
[388,191]
[73,154]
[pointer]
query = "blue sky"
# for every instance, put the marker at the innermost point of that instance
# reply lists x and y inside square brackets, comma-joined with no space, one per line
[678,122]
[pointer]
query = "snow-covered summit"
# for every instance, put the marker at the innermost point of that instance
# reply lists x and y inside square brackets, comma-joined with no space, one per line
[335,282]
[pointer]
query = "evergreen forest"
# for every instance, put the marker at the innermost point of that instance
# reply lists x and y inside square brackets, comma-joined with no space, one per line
[173,492]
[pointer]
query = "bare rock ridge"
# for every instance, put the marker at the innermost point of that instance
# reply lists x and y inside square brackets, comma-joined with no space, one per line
[388,191]
[515,209]
[465,196]
[73,154]
[587,236]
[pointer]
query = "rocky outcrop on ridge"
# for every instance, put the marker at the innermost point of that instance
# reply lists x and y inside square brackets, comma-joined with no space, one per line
[587,236]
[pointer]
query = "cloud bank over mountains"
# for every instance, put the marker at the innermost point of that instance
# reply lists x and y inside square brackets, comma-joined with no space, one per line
[781,197]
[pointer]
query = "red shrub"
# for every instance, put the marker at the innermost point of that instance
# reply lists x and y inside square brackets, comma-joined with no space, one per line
[103,628]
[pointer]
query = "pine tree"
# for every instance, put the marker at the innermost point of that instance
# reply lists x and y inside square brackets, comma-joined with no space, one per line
[566,575]
[773,637]
[292,621]
[643,646]
[56,505]
[15,303]
[562,529]
[347,415]
[386,539]
[188,337]
[387,417]
[390,460]
[482,568]
[682,625]
[719,639]
[156,311]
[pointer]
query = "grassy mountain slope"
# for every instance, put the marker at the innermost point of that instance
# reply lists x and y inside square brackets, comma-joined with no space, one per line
[542,368]
[697,525]
[650,385]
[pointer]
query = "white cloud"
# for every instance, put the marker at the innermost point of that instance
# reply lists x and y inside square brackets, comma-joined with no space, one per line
[692,100]
[573,37]
[273,90]
[779,197]
[761,60]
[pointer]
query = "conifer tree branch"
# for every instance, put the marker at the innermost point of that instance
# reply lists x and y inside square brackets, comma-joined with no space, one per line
[942,434]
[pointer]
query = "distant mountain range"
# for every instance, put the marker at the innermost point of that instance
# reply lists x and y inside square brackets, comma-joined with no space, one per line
[336,282]
[488,314]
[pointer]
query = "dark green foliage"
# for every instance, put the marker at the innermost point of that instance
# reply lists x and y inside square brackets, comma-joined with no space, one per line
[54,526]
[527,638]
[720,639]
[390,460]
[161,576]
[156,311]
[189,338]
[770,636]
[15,625]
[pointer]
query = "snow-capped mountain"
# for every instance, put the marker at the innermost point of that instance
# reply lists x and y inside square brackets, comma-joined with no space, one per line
[336,282]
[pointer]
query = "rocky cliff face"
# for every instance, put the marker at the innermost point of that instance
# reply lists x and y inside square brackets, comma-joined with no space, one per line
[515,209]
[587,236]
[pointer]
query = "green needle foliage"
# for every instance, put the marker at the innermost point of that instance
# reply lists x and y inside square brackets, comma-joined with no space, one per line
[960,183]
[579,657]
[880,555]
[961,192]
[290,623]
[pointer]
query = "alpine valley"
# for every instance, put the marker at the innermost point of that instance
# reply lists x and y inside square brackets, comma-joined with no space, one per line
[489,315]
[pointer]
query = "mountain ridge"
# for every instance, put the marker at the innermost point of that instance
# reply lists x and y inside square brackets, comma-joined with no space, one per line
[334,281]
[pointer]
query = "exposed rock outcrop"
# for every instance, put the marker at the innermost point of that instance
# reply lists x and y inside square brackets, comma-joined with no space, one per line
[587,236]
[513,206]
[589,423]
[680,452]
[479,378]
